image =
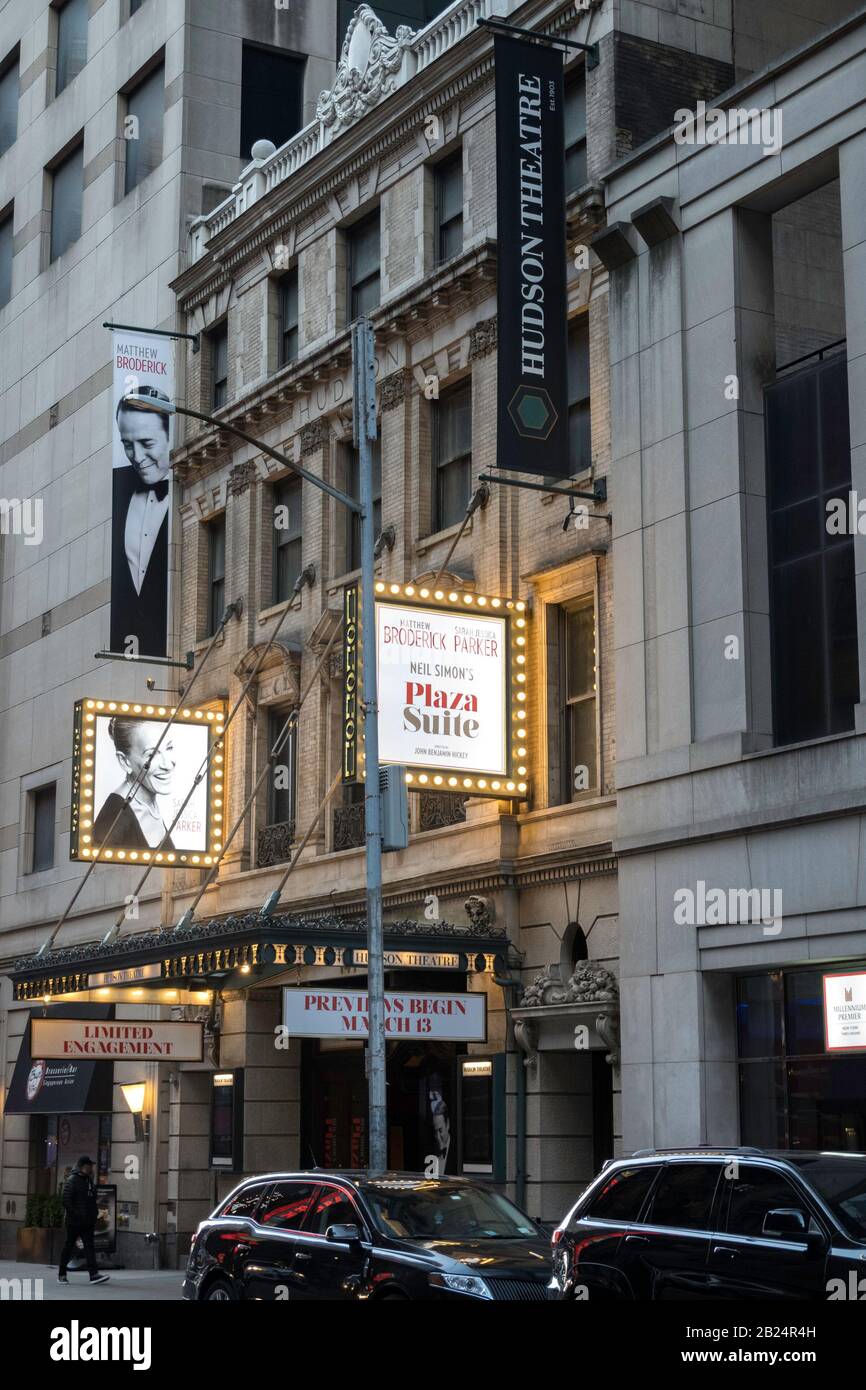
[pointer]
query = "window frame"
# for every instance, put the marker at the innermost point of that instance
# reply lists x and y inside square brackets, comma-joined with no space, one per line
[288,756]
[58,31]
[216,335]
[11,62]
[280,539]
[283,284]
[804,1200]
[579,325]
[215,527]
[588,598]
[353,285]
[352,478]
[438,463]
[574,80]
[34,793]
[346,1196]
[284,58]
[441,224]
[74,151]
[154,68]
[7,218]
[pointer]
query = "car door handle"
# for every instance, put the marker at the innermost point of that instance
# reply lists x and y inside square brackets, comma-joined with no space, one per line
[727,1250]
[302,1255]
[637,1240]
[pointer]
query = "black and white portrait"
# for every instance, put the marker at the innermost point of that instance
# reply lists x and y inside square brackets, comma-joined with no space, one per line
[130,759]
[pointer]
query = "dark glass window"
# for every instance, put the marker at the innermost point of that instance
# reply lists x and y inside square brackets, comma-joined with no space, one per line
[135,5]
[622,1196]
[71,42]
[332,1208]
[579,429]
[9,105]
[364,259]
[67,184]
[6,249]
[449,207]
[272,96]
[219,365]
[452,455]
[579,695]
[804,1013]
[684,1196]
[288,499]
[216,573]
[813,619]
[287,291]
[145,105]
[44,804]
[281,804]
[286,1205]
[353,487]
[575,132]
[754,1193]
[245,1203]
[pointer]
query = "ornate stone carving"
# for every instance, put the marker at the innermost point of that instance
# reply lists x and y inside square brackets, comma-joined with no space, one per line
[241,477]
[480,913]
[483,338]
[439,809]
[589,984]
[314,436]
[274,843]
[392,392]
[526,1037]
[369,60]
[607,1027]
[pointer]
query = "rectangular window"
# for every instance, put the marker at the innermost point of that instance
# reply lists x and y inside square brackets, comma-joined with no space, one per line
[71,42]
[353,487]
[579,432]
[272,97]
[6,247]
[452,455]
[287,291]
[44,808]
[143,128]
[577,665]
[218,341]
[135,5]
[216,573]
[449,207]
[575,132]
[287,537]
[9,104]
[281,801]
[364,261]
[67,186]
[813,616]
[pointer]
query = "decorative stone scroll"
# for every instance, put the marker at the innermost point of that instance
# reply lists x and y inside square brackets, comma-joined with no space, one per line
[369,61]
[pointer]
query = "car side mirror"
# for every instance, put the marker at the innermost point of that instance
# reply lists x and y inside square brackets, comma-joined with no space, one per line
[785,1221]
[347,1234]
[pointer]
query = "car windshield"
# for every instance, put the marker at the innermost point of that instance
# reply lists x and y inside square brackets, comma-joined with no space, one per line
[841,1181]
[435,1212]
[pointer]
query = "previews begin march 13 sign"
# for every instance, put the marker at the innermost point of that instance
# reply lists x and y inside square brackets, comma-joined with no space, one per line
[337,1013]
[532,412]
[845,1012]
[453,686]
[121,748]
[140,495]
[116,1039]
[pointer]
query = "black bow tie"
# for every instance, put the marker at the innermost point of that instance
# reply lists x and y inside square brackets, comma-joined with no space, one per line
[159,489]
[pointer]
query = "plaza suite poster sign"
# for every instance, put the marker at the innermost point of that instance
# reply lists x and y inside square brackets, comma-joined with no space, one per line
[532,406]
[140,494]
[442,689]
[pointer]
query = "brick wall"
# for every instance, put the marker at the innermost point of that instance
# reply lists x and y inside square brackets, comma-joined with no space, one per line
[653,81]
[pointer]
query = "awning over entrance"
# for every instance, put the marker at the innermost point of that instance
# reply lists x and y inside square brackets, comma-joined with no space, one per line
[43,1086]
[239,951]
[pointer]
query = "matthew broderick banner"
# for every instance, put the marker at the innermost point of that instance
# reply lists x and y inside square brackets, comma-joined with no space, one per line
[532,412]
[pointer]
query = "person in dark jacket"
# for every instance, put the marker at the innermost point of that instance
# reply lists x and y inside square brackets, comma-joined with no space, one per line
[79,1203]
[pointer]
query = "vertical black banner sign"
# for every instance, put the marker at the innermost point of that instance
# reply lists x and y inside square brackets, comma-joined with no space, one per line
[532,411]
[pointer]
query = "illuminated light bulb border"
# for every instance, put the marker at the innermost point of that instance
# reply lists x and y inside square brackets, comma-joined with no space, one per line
[515,785]
[84,746]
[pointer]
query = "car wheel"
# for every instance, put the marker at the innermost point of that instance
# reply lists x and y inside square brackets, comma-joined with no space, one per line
[220,1291]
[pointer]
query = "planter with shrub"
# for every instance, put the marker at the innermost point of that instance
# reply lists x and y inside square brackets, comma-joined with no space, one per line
[40,1240]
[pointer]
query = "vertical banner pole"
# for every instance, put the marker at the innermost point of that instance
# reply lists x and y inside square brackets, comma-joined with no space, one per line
[364,410]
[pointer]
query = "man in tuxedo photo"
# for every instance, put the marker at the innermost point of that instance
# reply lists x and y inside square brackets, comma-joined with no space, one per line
[139,534]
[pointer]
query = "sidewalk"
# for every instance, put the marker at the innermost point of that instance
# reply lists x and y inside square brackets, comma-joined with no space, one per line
[22,1281]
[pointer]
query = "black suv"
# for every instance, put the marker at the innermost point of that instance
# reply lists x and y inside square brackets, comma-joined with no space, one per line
[712,1224]
[327,1235]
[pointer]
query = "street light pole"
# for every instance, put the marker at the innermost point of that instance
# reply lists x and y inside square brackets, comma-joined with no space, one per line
[364,417]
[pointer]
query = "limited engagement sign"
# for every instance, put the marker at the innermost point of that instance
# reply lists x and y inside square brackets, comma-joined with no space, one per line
[532,411]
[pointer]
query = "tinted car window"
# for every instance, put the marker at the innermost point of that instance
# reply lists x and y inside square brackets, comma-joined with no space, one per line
[332,1208]
[442,1211]
[755,1192]
[622,1196]
[684,1196]
[245,1203]
[286,1205]
[841,1181]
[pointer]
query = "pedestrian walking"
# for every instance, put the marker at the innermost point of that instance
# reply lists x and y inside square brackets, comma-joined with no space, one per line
[79,1203]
